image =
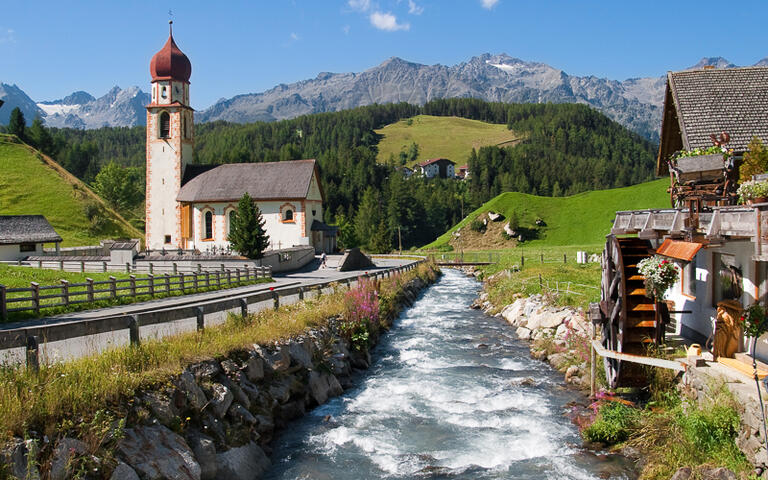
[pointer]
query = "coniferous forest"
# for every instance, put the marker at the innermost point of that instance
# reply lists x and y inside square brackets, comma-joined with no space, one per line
[566,149]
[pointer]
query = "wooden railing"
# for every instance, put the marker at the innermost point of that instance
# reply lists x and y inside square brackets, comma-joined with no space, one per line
[37,296]
[31,337]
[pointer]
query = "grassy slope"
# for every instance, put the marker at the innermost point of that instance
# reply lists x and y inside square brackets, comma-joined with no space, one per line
[582,219]
[447,137]
[33,184]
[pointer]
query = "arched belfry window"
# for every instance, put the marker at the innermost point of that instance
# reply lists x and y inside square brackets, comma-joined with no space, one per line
[165,125]
[208,225]
[288,215]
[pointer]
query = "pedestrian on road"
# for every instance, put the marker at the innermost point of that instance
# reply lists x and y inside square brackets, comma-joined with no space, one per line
[322,260]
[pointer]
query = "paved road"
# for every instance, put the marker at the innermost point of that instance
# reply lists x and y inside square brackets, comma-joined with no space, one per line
[55,351]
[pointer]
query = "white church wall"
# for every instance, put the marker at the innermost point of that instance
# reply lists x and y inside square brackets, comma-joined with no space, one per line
[164,183]
[281,234]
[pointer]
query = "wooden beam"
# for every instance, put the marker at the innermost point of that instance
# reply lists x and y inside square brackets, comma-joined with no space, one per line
[628,357]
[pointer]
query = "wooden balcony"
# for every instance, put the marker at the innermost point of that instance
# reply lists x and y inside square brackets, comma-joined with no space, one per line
[713,226]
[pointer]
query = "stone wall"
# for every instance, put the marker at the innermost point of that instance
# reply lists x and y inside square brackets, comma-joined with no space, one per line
[216,419]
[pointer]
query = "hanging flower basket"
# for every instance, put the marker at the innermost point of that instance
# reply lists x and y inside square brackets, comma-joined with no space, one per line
[660,274]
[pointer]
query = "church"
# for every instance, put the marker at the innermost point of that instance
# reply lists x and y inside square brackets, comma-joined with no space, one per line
[190,206]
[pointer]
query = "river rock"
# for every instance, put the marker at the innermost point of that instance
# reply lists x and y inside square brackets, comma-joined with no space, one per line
[682,473]
[495,217]
[205,453]
[513,313]
[720,473]
[161,407]
[509,231]
[547,318]
[248,462]
[281,390]
[318,387]
[123,472]
[562,331]
[66,450]
[280,360]
[557,360]
[301,352]
[230,367]
[240,414]
[292,410]
[221,399]
[195,396]
[523,333]
[571,373]
[157,453]
[254,369]
[205,370]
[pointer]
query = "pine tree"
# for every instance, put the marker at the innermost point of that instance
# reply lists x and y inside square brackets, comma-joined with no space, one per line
[247,234]
[17,124]
[40,137]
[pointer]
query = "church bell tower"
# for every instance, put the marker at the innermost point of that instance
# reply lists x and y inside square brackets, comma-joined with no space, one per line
[170,144]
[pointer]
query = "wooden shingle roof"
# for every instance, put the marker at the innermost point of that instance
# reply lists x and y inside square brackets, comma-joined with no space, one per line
[262,181]
[699,103]
[26,229]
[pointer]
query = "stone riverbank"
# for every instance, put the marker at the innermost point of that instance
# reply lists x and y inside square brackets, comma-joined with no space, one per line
[214,420]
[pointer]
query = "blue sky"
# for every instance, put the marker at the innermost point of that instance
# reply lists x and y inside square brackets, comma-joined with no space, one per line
[52,48]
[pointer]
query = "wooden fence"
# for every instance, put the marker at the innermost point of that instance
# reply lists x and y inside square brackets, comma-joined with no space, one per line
[31,337]
[37,296]
[101,266]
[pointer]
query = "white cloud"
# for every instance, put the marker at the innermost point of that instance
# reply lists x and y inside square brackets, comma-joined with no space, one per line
[414,9]
[360,5]
[388,22]
[489,4]
[7,35]
[345,29]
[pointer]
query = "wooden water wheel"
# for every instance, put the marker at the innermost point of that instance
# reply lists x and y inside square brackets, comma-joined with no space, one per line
[629,318]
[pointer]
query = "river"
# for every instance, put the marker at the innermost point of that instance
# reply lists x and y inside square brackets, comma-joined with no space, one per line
[449,395]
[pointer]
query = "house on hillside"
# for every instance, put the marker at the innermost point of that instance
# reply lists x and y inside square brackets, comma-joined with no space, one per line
[721,248]
[189,206]
[25,235]
[437,167]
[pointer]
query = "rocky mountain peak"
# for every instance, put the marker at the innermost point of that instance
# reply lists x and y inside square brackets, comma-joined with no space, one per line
[717,62]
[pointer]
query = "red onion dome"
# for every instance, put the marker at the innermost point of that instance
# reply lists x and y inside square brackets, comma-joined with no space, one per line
[170,63]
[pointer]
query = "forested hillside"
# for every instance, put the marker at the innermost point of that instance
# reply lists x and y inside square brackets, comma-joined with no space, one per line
[567,148]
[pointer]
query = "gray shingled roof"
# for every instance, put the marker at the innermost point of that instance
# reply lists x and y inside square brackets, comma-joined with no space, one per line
[26,229]
[262,181]
[733,100]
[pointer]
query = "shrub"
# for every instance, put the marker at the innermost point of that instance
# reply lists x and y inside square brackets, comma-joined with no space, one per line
[614,423]
[477,225]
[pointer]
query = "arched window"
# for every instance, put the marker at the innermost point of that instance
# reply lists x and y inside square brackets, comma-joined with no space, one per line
[165,125]
[230,218]
[288,215]
[208,231]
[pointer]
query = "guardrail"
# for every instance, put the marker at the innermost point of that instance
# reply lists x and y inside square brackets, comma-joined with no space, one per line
[30,337]
[465,257]
[65,294]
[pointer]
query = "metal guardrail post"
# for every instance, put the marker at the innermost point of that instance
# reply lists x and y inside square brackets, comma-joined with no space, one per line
[33,353]
[103,266]
[39,264]
[82,266]
[243,307]
[127,267]
[61,265]
[3,305]
[151,268]
[276,299]
[133,330]
[175,268]
[200,319]
[301,293]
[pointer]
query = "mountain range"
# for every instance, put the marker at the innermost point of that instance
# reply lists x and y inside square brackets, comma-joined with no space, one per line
[635,102]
